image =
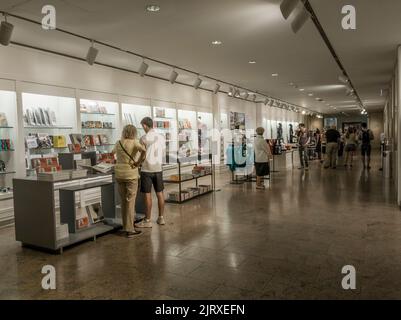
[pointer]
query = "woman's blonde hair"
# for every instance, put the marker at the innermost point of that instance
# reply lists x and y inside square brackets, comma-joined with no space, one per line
[129,132]
[260,131]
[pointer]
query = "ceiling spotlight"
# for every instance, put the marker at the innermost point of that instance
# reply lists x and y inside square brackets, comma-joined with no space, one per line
[153,8]
[216,88]
[92,54]
[237,93]
[197,83]
[217,42]
[246,96]
[271,103]
[287,7]
[310,94]
[300,20]
[274,74]
[252,62]
[173,77]
[6,30]
[266,101]
[291,84]
[301,89]
[143,68]
[254,98]
[303,112]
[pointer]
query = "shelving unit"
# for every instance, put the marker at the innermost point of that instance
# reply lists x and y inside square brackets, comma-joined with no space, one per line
[187,133]
[8,132]
[190,194]
[204,125]
[101,112]
[165,123]
[58,118]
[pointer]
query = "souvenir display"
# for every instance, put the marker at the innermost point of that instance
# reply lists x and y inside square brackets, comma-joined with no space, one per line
[5,145]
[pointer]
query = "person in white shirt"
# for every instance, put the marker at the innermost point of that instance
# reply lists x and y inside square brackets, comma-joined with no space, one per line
[152,173]
[262,156]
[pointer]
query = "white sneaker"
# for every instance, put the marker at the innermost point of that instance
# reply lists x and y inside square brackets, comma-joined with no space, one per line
[144,224]
[161,221]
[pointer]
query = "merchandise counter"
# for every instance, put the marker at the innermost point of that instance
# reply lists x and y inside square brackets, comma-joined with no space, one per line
[46,212]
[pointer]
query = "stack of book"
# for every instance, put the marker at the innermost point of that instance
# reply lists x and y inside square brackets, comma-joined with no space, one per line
[54,176]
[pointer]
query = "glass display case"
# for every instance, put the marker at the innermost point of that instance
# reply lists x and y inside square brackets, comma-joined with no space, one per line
[99,124]
[133,114]
[8,123]
[48,122]
[205,126]
[187,133]
[165,123]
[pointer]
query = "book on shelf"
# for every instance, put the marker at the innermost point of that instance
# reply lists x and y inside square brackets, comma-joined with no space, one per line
[95,213]
[82,218]
[101,167]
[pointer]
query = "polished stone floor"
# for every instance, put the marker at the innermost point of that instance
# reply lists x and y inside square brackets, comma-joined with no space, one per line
[287,242]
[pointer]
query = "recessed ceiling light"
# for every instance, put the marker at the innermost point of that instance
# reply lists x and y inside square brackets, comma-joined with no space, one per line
[153,8]
[216,42]
[252,62]
[274,74]
[310,94]
[301,89]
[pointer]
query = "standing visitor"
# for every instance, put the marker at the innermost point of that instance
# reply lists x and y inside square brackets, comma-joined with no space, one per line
[318,139]
[332,140]
[365,137]
[130,154]
[351,143]
[303,143]
[151,172]
[262,156]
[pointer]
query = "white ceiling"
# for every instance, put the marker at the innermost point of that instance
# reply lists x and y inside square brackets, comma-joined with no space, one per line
[182,32]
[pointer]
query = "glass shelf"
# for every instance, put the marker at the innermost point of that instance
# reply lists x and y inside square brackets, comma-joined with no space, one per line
[48,127]
[6,127]
[7,172]
[9,150]
[99,113]
[98,128]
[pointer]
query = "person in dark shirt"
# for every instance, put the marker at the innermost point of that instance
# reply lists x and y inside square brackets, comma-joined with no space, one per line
[365,137]
[332,138]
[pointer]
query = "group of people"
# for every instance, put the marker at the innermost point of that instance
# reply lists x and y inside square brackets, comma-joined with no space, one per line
[336,142]
[146,153]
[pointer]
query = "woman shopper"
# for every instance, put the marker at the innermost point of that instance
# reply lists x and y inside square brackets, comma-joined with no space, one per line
[351,142]
[262,156]
[130,154]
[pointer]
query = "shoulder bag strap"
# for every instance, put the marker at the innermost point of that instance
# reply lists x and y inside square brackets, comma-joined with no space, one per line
[131,161]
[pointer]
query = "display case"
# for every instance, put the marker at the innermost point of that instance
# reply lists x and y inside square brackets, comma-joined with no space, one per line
[133,114]
[187,133]
[99,124]
[8,123]
[165,123]
[205,126]
[48,122]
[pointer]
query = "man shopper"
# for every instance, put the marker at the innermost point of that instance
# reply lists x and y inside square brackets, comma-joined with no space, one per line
[303,143]
[332,138]
[365,137]
[152,173]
